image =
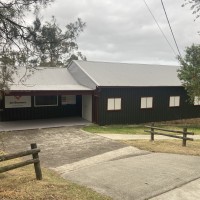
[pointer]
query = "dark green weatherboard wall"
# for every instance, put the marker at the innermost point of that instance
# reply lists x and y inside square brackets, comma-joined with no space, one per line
[131,112]
[10,114]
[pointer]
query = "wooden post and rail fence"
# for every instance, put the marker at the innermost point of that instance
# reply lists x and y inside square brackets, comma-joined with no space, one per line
[153,131]
[34,152]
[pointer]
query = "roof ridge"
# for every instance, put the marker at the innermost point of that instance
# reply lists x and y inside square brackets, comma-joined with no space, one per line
[110,62]
[50,67]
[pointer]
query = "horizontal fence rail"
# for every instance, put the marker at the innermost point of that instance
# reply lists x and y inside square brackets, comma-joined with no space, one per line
[34,152]
[17,165]
[18,155]
[153,132]
[168,130]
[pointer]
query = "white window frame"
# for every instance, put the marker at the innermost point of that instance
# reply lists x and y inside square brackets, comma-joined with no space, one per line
[173,101]
[45,105]
[196,101]
[114,101]
[146,102]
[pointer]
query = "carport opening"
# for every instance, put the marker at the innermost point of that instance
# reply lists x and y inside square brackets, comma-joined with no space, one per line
[47,106]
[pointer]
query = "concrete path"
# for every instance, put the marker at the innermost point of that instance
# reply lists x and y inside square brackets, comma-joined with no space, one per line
[111,155]
[108,166]
[42,123]
[190,191]
[139,177]
[141,137]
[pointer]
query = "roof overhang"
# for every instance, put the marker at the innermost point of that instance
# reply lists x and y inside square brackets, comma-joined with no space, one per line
[47,92]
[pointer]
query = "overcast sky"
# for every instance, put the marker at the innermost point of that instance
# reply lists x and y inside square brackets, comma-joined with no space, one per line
[124,31]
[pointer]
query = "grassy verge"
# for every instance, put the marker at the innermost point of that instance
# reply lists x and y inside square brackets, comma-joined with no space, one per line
[139,129]
[167,146]
[116,129]
[21,184]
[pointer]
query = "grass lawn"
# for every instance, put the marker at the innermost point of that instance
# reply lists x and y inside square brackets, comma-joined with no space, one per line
[21,184]
[116,129]
[167,146]
[193,125]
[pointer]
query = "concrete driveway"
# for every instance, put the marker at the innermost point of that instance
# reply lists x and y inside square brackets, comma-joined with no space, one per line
[59,146]
[108,166]
[42,123]
[141,177]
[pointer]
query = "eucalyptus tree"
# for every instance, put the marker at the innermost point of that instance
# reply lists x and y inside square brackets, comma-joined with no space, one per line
[56,47]
[189,72]
[15,36]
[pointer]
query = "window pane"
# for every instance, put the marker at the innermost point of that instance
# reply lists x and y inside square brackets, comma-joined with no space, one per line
[118,104]
[143,102]
[68,99]
[149,102]
[196,100]
[171,101]
[177,101]
[111,104]
[46,100]
[174,101]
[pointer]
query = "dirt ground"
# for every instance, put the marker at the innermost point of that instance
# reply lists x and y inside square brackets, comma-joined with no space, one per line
[58,145]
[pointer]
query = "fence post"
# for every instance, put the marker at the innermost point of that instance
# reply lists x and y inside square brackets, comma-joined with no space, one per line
[38,171]
[185,136]
[152,132]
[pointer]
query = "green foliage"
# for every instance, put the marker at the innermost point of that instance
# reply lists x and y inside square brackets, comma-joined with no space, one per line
[189,72]
[7,68]
[116,129]
[13,29]
[16,48]
[39,45]
[54,46]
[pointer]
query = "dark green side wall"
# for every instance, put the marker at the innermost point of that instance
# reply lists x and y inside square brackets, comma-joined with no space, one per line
[131,112]
[42,112]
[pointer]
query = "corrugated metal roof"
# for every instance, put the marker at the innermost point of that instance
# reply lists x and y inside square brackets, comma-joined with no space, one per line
[122,74]
[46,78]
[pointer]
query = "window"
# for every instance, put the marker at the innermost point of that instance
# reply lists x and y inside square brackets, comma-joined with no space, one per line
[174,101]
[146,102]
[114,104]
[197,101]
[45,101]
[68,99]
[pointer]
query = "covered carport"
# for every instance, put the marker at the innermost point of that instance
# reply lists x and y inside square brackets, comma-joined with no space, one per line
[46,93]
